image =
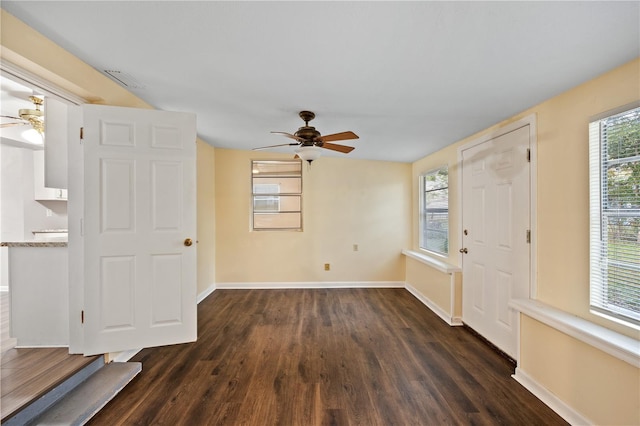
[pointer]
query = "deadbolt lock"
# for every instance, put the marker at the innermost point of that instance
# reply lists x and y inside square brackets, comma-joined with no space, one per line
[464,250]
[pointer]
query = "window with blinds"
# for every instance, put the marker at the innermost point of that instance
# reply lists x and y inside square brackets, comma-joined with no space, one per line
[434,220]
[276,195]
[614,171]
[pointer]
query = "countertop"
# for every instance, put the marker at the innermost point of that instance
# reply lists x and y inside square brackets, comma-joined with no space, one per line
[33,244]
[48,241]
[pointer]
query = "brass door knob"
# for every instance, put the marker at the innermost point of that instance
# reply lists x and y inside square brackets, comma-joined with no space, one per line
[463,250]
[188,242]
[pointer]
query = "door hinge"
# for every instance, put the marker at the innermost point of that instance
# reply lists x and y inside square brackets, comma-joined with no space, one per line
[528,155]
[82,317]
[528,236]
[81,133]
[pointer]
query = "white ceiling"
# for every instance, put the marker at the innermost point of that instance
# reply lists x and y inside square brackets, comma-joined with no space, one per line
[408,77]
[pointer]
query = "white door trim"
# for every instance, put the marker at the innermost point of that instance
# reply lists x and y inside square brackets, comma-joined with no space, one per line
[531,121]
[32,80]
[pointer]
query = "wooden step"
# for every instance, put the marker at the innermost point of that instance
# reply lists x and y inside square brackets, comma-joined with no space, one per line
[35,379]
[86,399]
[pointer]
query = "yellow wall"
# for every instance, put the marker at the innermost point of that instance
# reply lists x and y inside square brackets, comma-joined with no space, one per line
[563,255]
[432,284]
[345,202]
[205,163]
[604,389]
[563,212]
[555,360]
[23,46]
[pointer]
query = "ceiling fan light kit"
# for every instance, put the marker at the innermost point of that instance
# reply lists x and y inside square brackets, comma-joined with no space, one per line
[309,153]
[310,140]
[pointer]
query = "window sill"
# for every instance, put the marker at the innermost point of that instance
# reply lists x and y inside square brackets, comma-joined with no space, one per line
[438,264]
[615,344]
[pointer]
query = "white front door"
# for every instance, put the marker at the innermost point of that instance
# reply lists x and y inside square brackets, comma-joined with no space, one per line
[139,208]
[496,223]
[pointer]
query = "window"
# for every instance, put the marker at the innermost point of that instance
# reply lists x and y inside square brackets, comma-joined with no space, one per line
[614,172]
[434,211]
[276,195]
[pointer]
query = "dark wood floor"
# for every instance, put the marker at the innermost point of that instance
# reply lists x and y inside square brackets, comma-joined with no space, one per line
[316,357]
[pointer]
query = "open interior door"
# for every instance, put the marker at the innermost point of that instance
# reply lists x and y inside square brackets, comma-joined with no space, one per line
[138,228]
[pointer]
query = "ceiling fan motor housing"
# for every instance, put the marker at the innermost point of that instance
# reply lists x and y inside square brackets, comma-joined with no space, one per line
[30,114]
[308,133]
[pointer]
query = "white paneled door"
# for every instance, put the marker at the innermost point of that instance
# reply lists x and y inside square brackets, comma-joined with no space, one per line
[139,220]
[496,224]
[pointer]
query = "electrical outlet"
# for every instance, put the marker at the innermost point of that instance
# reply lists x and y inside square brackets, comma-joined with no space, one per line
[49,213]
[327,267]
[355,247]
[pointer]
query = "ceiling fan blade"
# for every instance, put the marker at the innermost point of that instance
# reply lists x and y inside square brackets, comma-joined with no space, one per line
[274,146]
[11,117]
[289,135]
[338,137]
[2,126]
[335,147]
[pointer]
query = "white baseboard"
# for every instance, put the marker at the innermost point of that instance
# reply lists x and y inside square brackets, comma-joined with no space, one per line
[39,346]
[308,284]
[456,321]
[446,317]
[205,293]
[552,401]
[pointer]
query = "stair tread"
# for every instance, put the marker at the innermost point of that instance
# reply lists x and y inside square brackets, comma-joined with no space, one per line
[79,405]
[28,374]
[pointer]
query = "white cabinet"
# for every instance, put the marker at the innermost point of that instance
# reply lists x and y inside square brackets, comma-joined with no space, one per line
[39,295]
[42,193]
[55,143]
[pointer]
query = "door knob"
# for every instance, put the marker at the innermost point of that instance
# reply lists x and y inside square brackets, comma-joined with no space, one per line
[464,250]
[188,242]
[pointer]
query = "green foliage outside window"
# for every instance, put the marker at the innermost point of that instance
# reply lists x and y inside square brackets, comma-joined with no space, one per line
[619,243]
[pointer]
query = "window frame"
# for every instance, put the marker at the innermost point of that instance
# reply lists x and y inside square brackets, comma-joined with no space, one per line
[423,211]
[599,259]
[276,195]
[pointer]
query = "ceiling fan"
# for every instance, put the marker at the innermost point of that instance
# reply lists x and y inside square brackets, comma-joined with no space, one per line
[34,117]
[310,141]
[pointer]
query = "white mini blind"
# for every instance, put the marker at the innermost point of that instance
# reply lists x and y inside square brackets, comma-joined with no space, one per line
[614,172]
